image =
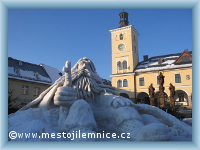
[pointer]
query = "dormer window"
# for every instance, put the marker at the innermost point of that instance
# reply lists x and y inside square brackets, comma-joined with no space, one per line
[185,58]
[160,61]
[36,75]
[20,63]
[17,70]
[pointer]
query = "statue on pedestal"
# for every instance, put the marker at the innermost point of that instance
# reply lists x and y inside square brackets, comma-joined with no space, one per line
[151,95]
[171,97]
[161,90]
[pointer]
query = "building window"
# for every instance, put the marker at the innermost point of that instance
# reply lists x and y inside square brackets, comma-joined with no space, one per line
[119,83]
[125,83]
[36,91]
[121,36]
[124,63]
[177,78]
[119,65]
[141,81]
[24,90]
[181,97]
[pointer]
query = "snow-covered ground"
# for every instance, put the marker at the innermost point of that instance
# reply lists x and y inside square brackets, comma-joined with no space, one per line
[188,121]
[39,121]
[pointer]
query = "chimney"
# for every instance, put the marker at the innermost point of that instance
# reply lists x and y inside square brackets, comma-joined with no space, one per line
[145,57]
[185,50]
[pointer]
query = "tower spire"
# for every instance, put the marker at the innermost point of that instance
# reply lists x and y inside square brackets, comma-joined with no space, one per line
[123,19]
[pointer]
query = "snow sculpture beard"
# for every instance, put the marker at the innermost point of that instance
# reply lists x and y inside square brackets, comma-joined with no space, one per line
[86,80]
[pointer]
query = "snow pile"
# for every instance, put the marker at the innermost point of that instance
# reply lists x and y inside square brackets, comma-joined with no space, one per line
[148,121]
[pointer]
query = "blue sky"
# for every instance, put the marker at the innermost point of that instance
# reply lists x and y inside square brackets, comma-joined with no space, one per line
[53,36]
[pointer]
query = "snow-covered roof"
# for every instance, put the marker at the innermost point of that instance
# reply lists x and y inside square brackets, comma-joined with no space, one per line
[21,70]
[52,72]
[168,62]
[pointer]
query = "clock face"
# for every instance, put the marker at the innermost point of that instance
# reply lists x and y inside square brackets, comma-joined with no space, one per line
[121,47]
[187,77]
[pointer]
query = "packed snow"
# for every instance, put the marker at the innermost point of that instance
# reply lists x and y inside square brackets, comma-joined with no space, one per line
[39,121]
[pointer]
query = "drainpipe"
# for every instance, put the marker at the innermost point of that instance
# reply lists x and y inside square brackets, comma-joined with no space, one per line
[135,86]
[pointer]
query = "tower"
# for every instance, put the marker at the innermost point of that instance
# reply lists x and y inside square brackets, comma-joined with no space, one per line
[125,57]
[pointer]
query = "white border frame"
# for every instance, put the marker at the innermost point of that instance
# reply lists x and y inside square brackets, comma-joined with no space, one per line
[192,4]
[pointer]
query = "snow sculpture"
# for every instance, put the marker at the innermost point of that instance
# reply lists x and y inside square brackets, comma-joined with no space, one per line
[78,102]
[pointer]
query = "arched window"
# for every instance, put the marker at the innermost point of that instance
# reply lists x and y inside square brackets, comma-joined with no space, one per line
[119,83]
[124,63]
[121,36]
[125,83]
[119,65]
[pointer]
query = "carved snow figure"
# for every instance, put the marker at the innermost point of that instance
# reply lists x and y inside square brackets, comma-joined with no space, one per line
[79,101]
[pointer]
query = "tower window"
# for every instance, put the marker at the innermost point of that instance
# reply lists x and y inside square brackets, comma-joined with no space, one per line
[119,83]
[125,83]
[177,78]
[124,63]
[119,65]
[141,81]
[121,36]
[135,49]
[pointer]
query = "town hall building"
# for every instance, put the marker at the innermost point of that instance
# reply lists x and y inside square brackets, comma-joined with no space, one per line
[132,77]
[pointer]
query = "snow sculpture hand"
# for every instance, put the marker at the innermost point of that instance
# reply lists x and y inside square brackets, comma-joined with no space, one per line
[119,101]
[66,95]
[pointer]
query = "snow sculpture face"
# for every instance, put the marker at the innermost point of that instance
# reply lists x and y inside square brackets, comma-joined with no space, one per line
[86,80]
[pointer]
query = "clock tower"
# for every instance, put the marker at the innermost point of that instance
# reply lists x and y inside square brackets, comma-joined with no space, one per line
[125,57]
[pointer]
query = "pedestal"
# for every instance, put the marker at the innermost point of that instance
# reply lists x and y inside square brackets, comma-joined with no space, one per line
[162,100]
[172,102]
[153,102]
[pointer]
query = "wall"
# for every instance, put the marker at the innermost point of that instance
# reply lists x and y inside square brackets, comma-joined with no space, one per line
[16,85]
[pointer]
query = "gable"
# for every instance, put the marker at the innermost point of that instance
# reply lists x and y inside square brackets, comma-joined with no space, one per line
[184,57]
